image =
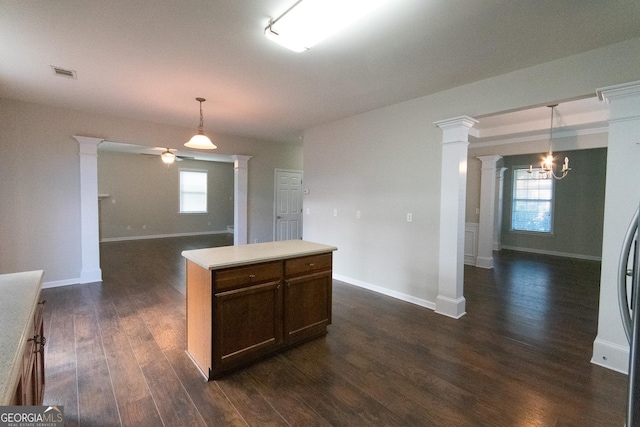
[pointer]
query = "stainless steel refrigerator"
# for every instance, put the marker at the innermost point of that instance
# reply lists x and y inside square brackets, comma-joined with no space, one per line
[629,299]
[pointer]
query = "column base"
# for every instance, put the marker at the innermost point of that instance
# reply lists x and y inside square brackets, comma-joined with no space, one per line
[454,308]
[484,262]
[90,276]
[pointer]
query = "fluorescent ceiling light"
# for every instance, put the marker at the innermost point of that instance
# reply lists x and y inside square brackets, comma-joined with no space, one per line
[308,22]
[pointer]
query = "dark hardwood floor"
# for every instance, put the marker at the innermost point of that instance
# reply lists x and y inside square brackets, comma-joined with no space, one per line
[519,357]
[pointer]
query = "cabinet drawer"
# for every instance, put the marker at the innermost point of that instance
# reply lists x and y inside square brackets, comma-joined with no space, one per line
[307,264]
[238,277]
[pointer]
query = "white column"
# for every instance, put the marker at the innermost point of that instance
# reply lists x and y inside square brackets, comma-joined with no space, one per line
[453,187]
[89,227]
[240,198]
[622,195]
[497,223]
[487,211]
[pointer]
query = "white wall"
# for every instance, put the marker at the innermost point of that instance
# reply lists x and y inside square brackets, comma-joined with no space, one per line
[386,163]
[144,197]
[40,180]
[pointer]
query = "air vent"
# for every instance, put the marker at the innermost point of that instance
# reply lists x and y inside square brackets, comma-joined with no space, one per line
[63,72]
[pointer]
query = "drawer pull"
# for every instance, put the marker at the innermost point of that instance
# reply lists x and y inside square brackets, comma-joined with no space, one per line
[252,276]
[42,343]
[35,338]
[43,302]
[312,265]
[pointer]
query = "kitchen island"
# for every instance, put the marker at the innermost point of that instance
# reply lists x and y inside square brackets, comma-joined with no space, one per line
[249,301]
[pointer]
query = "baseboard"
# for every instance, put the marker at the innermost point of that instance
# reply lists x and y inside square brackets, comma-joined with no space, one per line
[162,236]
[388,292]
[611,356]
[58,283]
[552,253]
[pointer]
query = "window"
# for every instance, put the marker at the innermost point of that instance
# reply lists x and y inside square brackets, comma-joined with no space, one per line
[193,191]
[532,208]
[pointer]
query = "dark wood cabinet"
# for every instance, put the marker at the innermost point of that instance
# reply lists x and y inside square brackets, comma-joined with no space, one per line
[237,315]
[307,297]
[247,324]
[30,388]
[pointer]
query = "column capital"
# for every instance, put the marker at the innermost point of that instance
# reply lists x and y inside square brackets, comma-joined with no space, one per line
[624,90]
[88,144]
[623,99]
[456,130]
[240,161]
[489,162]
[460,121]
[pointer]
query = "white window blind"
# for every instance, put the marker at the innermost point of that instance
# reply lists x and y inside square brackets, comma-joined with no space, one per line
[532,208]
[193,191]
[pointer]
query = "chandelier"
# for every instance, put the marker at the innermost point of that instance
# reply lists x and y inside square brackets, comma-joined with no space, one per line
[546,169]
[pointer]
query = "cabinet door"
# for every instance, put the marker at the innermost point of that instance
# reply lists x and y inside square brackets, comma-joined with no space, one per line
[38,360]
[248,324]
[307,301]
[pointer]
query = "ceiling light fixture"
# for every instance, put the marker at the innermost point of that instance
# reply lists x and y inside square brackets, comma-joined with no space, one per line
[308,22]
[546,170]
[168,157]
[200,140]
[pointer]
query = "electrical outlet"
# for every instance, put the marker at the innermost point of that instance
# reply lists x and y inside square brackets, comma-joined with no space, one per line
[409,217]
[335,212]
[358,214]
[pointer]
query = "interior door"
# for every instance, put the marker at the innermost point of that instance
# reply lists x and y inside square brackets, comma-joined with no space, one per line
[288,205]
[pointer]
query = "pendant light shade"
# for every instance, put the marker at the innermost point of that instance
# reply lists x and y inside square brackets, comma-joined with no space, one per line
[200,140]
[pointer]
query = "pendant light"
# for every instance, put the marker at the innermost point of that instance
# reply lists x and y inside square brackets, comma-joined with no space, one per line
[546,169]
[200,140]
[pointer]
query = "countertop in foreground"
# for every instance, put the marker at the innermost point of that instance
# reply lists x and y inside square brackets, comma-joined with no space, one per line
[19,300]
[232,256]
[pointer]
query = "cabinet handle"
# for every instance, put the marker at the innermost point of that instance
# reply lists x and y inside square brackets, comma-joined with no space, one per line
[311,265]
[252,276]
[43,302]
[43,341]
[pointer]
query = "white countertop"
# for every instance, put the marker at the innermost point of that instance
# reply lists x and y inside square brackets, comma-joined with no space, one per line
[20,293]
[232,256]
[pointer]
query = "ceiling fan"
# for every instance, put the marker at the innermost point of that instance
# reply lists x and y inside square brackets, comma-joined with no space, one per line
[168,156]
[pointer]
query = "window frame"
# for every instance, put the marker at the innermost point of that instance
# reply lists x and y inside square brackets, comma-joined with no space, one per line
[181,192]
[514,199]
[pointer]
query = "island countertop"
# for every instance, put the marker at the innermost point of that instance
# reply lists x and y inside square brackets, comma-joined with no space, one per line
[232,256]
[20,293]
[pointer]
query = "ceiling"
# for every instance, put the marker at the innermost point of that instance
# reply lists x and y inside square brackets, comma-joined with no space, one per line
[149,60]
